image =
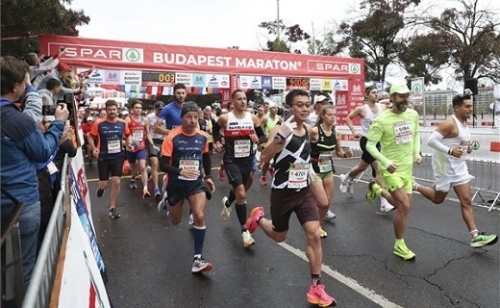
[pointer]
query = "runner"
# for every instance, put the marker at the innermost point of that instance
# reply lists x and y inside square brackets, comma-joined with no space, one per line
[269,122]
[397,130]
[324,142]
[241,131]
[183,155]
[109,132]
[170,115]
[290,191]
[221,173]
[139,127]
[154,148]
[368,112]
[451,142]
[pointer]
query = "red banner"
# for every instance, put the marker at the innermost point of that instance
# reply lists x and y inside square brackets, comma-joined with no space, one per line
[84,52]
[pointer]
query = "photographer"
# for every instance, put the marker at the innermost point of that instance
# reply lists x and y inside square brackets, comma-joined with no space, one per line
[23,144]
[38,69]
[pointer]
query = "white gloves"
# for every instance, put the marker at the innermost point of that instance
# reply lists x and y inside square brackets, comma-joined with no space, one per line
[287,127]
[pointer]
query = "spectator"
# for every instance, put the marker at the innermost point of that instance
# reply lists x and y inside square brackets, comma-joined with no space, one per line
[62,73]
[47,94]
[38,69]
[23,144]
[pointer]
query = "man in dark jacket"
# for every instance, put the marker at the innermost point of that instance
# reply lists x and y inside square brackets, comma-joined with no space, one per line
[23,144]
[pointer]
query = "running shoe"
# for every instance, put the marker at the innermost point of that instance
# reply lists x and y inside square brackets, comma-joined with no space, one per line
[343,183]
[148,170]
[263,181]
[99,192]
[330,215]
[318,296]
[191,219]
[322,233]
[253,221]
[226,211]
[132,184]
[403,252]
[199,265]
[374,191]
[146,194]
[113,213]
[157,193]
[350,188]
[221,175]
[483,239]
[162,206]
[385,206]
[247,239]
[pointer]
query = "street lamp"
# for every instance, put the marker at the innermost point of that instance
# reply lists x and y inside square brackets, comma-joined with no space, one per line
[278,19]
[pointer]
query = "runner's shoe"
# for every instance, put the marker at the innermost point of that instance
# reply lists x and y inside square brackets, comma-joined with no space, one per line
[132,184]
[157,193]
[148,170]
[343,183]
[330,215]
[374,191]
[191,219]
[322,233]
[403,252]
[385,206]
[482,239]
[146,194]
[221,175]
[247,239]
[162,206]
[226,211]
[350,188]
[263,180]
[199,265]
[113,213]
[99,192]
[252,222]
[318,296]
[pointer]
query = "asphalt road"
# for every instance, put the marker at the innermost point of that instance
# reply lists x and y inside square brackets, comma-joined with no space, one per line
[149,260]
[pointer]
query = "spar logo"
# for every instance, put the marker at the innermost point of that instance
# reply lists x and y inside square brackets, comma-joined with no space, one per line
[328,66]
[102,53]
[354,68]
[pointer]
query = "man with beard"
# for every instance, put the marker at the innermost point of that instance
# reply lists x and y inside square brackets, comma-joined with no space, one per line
[171,113]
[397,130]
[109,133]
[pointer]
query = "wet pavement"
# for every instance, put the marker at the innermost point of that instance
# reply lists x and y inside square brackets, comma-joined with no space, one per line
[149,260]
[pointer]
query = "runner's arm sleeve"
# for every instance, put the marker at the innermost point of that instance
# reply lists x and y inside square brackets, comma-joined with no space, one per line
[435,142]
[216,132]
[260,133]
[374,135]
[165,166]
[207,164]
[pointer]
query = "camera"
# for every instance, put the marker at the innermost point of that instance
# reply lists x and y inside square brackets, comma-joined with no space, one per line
[49,110]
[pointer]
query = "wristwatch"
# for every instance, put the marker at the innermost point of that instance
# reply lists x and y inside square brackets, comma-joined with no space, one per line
[278,139]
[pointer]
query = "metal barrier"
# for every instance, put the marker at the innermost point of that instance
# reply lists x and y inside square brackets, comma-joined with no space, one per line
[42,280]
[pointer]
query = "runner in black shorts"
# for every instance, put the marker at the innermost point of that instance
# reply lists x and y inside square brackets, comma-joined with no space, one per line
[290,147]
[109,152]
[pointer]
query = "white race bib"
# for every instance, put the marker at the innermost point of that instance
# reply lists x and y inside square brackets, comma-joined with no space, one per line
[403,132]
[188,164]
[325,162]
[242,148]
[114,146]
[297,176]
[138,135]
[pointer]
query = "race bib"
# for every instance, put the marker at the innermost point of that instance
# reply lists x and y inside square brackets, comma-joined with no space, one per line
[297,176]
[114,146]
[189,164]
[325,162]
[242,148]
[402,132]
[138,135]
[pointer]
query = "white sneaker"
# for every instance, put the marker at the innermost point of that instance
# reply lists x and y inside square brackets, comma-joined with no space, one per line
[191,220]
[350,188]
[199,265]
[330,215]
[343,183]
[385,206]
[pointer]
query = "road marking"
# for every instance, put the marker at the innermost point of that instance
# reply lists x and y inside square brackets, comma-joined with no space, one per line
[347,281]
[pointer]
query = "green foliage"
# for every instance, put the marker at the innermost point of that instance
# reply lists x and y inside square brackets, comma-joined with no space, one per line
[285,37]
[27,19]
[326,46]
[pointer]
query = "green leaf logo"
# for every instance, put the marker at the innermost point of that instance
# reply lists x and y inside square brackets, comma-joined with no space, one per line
[416,88]
[475,145]
[354,68]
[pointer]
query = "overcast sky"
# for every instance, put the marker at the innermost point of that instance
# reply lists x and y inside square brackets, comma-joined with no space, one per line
[214,23]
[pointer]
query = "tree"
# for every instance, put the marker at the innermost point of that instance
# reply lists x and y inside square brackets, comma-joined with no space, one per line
[325,46]
[375,36]
[285,36]
[24,20]
[469,40]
